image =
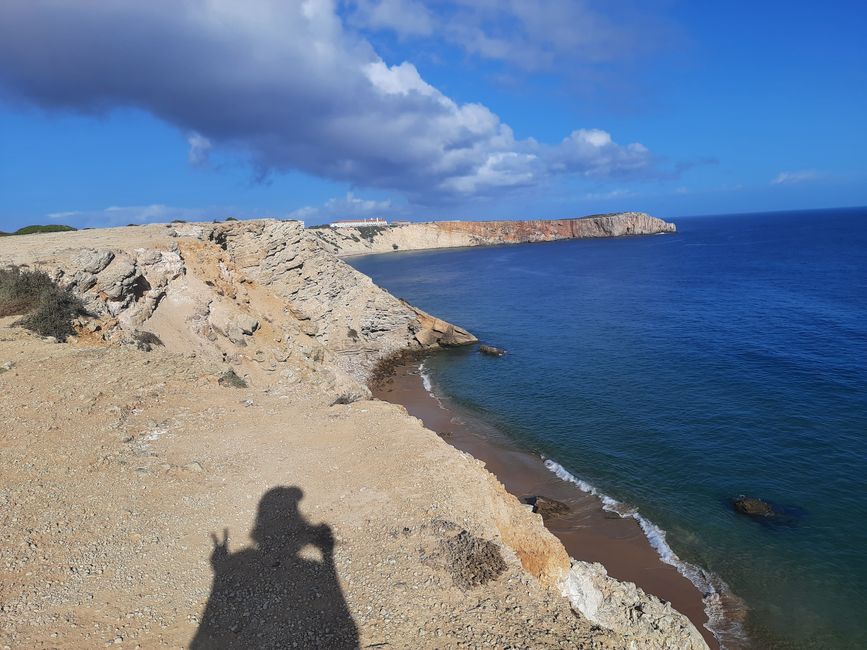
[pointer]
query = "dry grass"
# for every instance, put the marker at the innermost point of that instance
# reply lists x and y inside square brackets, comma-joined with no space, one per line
[48,309]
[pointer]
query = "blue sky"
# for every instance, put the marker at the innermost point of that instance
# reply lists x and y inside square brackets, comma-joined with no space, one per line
[112,113]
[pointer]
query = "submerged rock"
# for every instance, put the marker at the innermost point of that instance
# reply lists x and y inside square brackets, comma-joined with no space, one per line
[752,506]
[491,351]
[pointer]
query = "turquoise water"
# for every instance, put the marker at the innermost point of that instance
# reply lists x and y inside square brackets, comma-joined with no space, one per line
[675,372]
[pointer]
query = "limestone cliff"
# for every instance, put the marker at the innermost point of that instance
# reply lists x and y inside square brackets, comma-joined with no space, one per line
[455,234]
[252,295]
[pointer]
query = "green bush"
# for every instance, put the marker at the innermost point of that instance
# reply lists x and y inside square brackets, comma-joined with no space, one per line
[47,308]
[371,232]
[30,230]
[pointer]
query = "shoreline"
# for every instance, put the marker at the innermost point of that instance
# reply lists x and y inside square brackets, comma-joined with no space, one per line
[590,531]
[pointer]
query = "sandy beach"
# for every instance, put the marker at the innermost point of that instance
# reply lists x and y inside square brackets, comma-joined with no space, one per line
[588,532]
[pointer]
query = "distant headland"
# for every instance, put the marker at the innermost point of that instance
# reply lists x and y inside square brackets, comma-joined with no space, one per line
[378,236]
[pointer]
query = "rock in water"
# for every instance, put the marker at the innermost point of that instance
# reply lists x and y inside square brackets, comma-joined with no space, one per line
[752,507]
[491,351]
[548,507]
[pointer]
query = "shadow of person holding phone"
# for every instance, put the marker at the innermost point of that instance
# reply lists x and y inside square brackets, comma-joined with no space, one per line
[272,595]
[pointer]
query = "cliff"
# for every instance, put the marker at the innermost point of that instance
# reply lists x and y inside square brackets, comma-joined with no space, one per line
[120,458]
[455,234]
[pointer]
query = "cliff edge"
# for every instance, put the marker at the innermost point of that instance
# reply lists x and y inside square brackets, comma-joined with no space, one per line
[456,234]
[134,467]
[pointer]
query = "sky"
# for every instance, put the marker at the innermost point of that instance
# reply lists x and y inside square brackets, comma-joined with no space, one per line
[130,112]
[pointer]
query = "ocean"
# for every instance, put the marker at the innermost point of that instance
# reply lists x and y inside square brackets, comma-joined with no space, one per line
[673,373]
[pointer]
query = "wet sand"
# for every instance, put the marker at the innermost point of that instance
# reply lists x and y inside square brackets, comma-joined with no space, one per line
[588,532]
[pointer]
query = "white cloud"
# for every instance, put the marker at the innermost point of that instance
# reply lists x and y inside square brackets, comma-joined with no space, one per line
[347,207]
[793,178]
[57,216]
[531,35]
[288,85]
[611,194]
[405,17]
[121,215]
[200,149]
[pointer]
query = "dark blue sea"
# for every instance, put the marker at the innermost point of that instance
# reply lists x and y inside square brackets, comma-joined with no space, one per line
[675,372]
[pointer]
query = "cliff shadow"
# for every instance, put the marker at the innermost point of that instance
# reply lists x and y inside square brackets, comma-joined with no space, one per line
[283,591]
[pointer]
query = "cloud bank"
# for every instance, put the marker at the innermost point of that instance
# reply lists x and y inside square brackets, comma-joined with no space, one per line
[291,87]
[530,35]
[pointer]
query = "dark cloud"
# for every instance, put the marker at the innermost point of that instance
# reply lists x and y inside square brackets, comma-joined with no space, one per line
[286,84]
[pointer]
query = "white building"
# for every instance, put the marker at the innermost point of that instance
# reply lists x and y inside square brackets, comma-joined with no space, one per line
[359,223]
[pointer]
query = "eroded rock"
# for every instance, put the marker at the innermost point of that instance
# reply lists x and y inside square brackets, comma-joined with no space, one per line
[548,508]
[643,621]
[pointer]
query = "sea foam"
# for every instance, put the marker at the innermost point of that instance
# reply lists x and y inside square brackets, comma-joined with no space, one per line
[719,602]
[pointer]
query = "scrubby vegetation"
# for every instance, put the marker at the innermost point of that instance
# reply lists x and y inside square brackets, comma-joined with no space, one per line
[48,309]
[230,379]
[370,232]
[31,230]
[146,341]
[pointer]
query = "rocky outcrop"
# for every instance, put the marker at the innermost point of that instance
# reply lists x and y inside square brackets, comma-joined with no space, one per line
[454,234]
[644,621]
[753,507]
[260,296]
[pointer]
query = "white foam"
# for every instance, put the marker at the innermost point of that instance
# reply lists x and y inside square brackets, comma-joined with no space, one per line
[428,386]
[711,586]
[425,378]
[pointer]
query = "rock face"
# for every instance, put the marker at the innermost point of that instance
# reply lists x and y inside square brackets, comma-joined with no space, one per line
[491,351]
[453,234]
[261,296]
[644,621]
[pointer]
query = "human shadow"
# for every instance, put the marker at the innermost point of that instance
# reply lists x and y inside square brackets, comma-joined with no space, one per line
[269,595]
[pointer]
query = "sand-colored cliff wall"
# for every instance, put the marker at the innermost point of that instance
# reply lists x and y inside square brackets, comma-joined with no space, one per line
[455,234]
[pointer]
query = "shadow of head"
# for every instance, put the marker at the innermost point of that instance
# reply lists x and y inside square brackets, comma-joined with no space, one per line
[278,519]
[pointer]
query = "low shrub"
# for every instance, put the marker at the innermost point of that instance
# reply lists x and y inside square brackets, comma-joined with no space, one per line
[230,379]
[146,341]
[371,232]
[20,291]
[30,230]
[48,309]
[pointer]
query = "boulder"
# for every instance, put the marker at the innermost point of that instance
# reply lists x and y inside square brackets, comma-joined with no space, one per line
[752,506]
[491,351]
[93,261]
[548,508]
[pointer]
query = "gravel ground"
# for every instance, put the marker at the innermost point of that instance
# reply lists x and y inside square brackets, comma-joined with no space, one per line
[346,526]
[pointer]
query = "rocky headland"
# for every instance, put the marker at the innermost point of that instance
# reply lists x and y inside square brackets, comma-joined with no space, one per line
[455,234]
[127,453]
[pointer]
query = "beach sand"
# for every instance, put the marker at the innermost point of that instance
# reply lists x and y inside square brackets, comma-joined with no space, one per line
[588,532]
